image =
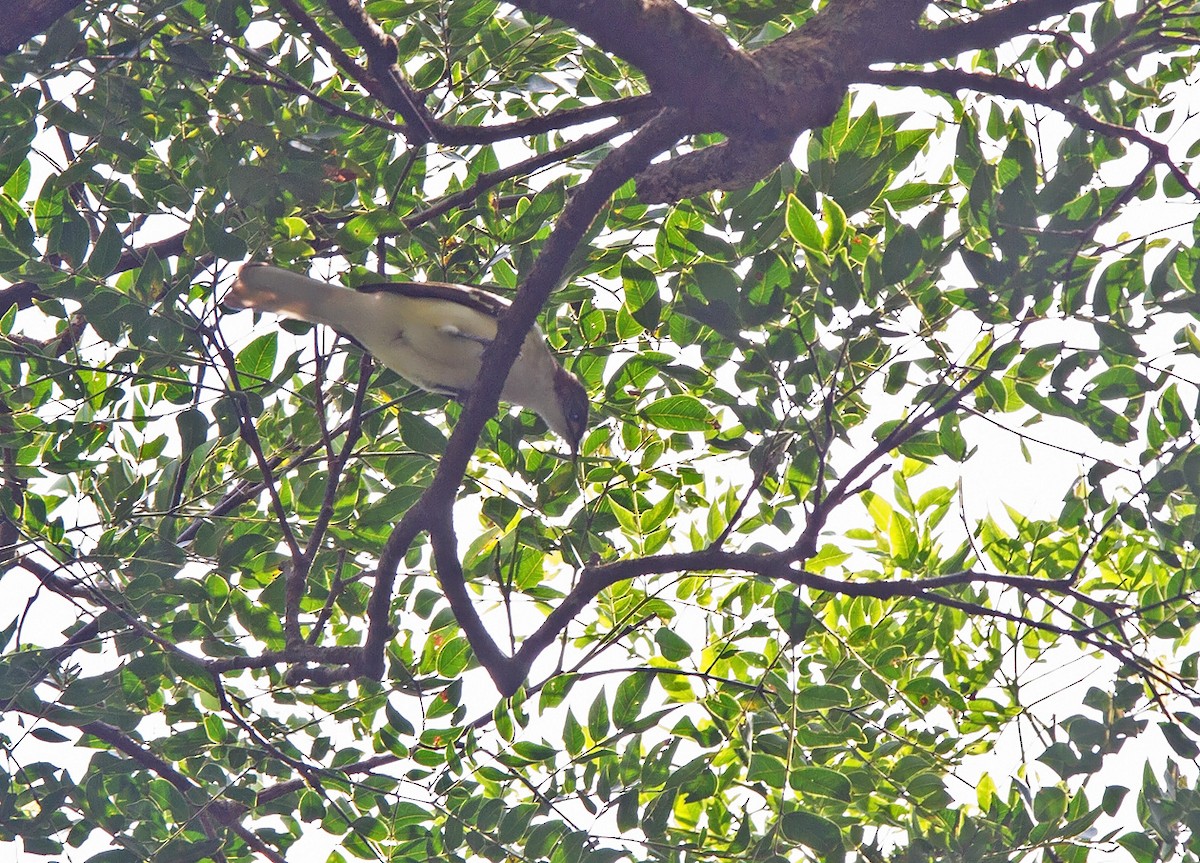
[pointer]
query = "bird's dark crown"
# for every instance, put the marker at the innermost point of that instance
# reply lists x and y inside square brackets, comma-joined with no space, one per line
[574,401]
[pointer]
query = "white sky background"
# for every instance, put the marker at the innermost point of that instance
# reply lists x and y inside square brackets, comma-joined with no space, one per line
[1036,489]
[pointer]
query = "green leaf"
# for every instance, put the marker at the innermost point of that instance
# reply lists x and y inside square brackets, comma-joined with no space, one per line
[256,361]
[901,255]
[627,810]
[1113,796]
[107,252]
[598,717]
[421,435]
[1177,738]
[802,226]
[903,539]
[835,220]
[453,657]
[631,696]
[820,781]
[1050,804]
[573,737]
[1141,846]
[215,728]
[678,413]
[813,831]
[821,696]
[674,646]
[930,691]
[534,752]
[768,769]
[193,429]
[793,615]
[642,299]
[48,735]
[535,216]
[1120,382]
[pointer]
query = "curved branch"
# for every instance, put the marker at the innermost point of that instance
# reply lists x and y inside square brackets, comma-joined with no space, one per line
[848,485]
[434,510]
[453,583]
[989,29]
[778,566]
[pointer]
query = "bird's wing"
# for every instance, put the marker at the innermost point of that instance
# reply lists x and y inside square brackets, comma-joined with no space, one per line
[453,310]
[465,295]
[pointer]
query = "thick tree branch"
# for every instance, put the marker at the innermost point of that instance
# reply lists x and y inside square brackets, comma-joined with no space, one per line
[581,209]
[762,100]
[732,164]
[72,588]
[119,740]
[989,29]
[391,87]
[800,78]
[689,63]
[24,19]
[453,583]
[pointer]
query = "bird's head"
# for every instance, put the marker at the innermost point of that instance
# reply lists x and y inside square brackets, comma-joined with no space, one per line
[569,419]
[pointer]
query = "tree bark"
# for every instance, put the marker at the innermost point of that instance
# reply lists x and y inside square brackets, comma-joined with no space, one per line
[24,19]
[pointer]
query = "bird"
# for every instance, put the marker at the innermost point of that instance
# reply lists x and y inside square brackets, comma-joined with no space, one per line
[432,334]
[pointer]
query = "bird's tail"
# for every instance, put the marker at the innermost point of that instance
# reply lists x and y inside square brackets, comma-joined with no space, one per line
[271,289]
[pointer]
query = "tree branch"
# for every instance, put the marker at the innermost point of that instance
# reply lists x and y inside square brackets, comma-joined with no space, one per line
[434,510]
[391,87]
[491,179]
[297,576]
[732,164]
[806,545]
[689,63]
[444,133]
[989,29]
[453,583]
[953,80]
[24,19]
[629,106]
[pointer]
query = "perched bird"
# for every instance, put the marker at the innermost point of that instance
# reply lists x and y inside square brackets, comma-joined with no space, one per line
[430,333]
